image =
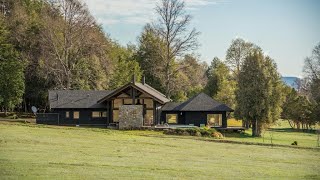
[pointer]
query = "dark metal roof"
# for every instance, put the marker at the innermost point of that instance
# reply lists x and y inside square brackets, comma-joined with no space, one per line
[76,99]
[141,87]
[200,102]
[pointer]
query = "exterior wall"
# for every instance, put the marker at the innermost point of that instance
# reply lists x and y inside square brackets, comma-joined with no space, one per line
[196,118]
[85,117]
[131,116]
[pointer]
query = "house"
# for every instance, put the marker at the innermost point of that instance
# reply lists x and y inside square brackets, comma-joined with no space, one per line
[132,105]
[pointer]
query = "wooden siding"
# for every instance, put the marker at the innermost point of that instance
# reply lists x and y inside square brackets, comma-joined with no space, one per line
[85,117]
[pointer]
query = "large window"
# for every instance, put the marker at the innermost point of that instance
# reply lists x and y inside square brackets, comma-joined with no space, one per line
[172,118]
[76,115]
[148,103]
[99,114]
[148,119]
[214,119]
[117,103]
[115,115]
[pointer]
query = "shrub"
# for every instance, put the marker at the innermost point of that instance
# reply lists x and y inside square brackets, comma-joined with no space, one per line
[295,143]
[205,132]
[217,135]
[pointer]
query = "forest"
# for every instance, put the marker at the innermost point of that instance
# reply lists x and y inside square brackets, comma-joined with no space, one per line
[58,44]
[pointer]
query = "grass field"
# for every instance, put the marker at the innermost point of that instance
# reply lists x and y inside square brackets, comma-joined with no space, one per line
[30,151]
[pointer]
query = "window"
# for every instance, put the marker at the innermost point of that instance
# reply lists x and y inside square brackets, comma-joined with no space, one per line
[148,118]
[95,114]
[172,118]
[148,103]
[214,119]
[127,101]
[103,114]
[76,115]
[67,114]
[115,115]
[98,114]
[117,103]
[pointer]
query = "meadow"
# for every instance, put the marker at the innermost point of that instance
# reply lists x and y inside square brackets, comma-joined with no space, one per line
[29,151]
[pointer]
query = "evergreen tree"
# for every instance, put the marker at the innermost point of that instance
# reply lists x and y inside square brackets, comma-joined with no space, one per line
[221,85]
[11,72]
[259,92]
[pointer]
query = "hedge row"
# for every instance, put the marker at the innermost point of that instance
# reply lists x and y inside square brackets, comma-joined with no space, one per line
[204,132]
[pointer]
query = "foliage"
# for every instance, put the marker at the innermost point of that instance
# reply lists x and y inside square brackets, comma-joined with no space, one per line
[221,84]
[11,72]
[205,132]
[171,29]
[297,108]
[237,53]
[312,72]
[187,73]
[125,66]
[259,94]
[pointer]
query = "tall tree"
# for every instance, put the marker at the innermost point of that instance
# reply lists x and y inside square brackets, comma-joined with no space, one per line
[172,29]
[71,36]
[11,71]
[237,53]
[221,84]
[259,92]
[312,72]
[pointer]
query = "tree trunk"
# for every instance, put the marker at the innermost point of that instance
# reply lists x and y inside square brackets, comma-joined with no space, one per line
[254,128]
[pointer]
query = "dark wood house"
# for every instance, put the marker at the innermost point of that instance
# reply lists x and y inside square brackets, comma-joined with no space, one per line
[76,107]
[200,110]
[102,108]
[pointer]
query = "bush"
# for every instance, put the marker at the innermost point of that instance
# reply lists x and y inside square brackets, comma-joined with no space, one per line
[295,143]
[205,132]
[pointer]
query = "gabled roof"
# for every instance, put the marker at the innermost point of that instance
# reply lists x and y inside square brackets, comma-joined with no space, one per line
[200,102]
[76,99]
[141,87]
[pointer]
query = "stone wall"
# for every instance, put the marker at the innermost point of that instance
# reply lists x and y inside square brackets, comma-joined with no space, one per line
[130,116]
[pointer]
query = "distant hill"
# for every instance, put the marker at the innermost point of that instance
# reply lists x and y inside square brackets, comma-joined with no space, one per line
[291,81]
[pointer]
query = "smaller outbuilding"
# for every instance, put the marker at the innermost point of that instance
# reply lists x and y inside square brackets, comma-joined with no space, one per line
[200,110]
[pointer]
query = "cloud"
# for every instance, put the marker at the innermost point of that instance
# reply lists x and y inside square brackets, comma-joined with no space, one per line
[108,12]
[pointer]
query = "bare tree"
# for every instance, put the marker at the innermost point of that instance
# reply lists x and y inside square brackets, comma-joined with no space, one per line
[172,28]
[237,52]
[67,36]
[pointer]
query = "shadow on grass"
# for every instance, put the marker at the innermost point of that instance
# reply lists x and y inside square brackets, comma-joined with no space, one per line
[290,130]
[237,135]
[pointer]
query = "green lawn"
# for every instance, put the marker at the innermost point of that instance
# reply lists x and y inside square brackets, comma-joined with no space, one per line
[35,151]
[281,134]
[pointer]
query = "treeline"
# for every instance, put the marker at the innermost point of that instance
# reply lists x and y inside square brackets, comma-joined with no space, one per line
[57,44]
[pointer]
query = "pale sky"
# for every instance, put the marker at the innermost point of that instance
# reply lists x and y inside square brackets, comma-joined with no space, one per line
[287,30]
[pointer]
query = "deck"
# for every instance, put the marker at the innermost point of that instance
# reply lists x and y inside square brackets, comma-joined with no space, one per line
[235,129]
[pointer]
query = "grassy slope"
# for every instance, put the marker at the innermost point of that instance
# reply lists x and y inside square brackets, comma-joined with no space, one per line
[54,152]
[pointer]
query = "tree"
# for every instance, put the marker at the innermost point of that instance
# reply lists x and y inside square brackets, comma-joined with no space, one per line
[259,92]
[297,109]
[125,66]
[11,72]
[71,36]
[221,84]
[149,53]
[171,28]
[237,53]
[312,72]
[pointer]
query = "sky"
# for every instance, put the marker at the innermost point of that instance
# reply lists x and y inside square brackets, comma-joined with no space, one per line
[287,30]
